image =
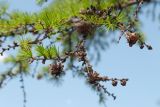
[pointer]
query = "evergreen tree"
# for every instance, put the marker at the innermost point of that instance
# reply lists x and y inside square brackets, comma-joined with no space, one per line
[61,37]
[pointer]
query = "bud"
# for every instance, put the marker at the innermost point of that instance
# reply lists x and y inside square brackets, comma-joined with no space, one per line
[141,46]
[149,47]
[114,83]
[123,82]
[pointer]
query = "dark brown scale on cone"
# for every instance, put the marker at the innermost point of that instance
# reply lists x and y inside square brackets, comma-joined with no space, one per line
[56,69]
[93,77]
[83,27]
[132,38]
[92,10]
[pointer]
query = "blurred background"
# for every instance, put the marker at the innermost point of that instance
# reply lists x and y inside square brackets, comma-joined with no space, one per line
[119,60]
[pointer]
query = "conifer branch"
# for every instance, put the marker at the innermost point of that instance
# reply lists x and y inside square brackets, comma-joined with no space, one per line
[72,23]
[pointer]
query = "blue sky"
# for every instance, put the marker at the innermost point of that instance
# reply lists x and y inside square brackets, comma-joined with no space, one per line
[140,66]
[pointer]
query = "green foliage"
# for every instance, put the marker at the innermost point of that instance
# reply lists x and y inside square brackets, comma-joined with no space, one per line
[111,23]
[49,52]
[3,7]
[40,2]
[107,3]
[25,44]
[57,13]
[9,59]
[17,65]
[25,51]
[25,55]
